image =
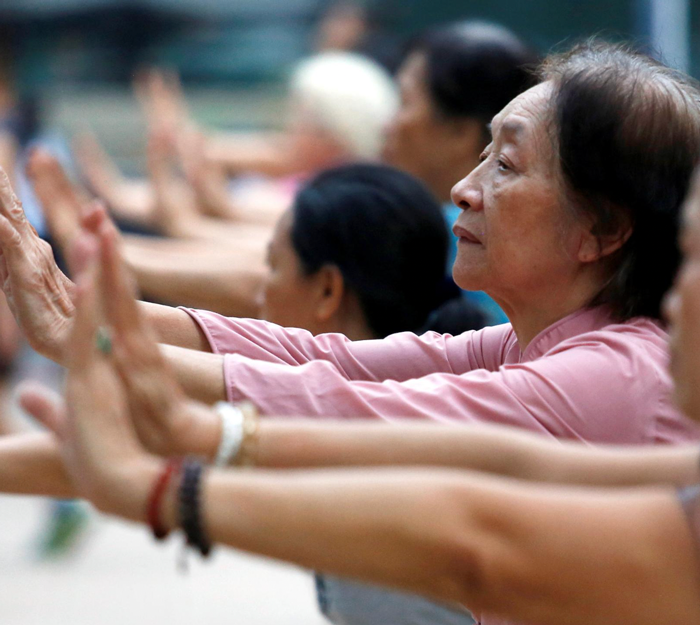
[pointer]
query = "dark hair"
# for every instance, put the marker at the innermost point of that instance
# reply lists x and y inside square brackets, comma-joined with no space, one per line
[627,130]
[385,232]
[475,68]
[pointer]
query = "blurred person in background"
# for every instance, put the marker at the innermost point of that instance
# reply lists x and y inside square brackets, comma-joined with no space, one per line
[452,82]
[338,104]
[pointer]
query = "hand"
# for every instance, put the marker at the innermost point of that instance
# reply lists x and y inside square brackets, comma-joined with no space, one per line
[99,447]
[167,422]
[208,179]
[161,99]
[38,293]
[175,213]
[129,199]
[62,203]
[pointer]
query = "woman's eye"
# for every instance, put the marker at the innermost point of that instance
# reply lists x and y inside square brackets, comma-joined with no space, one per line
[482,157]
[502,166]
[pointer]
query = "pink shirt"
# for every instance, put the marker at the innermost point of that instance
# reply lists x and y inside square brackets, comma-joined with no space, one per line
[585,377]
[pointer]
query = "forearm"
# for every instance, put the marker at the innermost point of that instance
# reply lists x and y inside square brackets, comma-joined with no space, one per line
[487,448]
[201,375]
[174,327]
[30,464]
[491,545]
[264,153]
[229,289]
[343,523]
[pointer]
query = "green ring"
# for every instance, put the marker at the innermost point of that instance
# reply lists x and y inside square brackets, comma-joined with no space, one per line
[103,341]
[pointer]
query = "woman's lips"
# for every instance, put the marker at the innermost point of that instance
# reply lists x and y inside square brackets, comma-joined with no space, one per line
[465,235]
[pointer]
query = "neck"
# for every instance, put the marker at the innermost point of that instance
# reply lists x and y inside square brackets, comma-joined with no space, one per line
[349,320]
[357,330]
[531,317]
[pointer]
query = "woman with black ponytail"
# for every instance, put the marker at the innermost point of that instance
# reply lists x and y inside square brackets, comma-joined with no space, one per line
[362,252]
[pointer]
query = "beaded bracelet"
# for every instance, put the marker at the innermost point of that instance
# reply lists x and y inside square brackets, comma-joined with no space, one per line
[189,507]
[154,503]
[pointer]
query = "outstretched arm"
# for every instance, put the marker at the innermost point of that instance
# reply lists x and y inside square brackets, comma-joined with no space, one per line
[499,450]
[30,464]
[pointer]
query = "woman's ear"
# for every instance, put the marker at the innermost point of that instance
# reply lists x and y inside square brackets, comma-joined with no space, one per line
[594,246]
[330,292]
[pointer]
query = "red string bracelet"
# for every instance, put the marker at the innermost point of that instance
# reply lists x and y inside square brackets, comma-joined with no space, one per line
[155,498]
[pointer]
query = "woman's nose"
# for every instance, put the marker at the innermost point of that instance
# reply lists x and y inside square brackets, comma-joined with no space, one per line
[466,194]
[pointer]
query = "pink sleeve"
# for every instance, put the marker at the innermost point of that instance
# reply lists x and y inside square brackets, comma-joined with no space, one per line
[399,357]
[587,391]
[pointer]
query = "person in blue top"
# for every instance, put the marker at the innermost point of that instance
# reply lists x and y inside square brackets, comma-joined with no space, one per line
[453,80]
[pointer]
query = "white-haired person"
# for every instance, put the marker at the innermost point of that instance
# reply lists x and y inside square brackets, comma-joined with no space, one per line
[337,106]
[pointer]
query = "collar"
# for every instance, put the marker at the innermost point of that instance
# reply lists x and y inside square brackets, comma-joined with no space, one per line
[578,322]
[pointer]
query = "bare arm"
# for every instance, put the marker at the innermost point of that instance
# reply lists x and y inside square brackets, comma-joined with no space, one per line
[266,153]
[30,464]
[229,290]
[493,449]
[543,555]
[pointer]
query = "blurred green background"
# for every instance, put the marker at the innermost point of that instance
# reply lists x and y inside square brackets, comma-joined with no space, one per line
[77,57]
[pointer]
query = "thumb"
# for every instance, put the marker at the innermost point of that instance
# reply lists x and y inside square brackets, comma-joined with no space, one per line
[45,405]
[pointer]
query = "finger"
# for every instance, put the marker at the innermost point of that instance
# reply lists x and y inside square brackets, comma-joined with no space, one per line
[60,200]
[94,214]
[45,405]
[81,253]
[83,351]
[10,238]
[117,286]
[10,206]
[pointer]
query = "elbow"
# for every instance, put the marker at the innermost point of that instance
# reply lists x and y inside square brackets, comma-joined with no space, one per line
[481,568]
[463,562]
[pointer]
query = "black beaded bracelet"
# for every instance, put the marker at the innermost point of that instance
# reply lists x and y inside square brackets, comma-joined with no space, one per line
[189,507]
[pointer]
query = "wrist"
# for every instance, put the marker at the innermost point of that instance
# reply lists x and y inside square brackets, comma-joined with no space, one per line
[203,432]
[126,494]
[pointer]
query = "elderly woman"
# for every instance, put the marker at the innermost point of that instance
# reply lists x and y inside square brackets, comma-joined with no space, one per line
[556,225]
[506,548]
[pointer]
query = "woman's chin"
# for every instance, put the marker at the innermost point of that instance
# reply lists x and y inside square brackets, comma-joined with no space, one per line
[468,281]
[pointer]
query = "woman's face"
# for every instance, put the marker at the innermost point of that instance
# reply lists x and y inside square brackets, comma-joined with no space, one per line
[287,294]
[516,239]
[682,309]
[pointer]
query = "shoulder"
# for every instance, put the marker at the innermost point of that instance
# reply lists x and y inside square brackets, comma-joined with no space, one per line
[640,340]
[615,377]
